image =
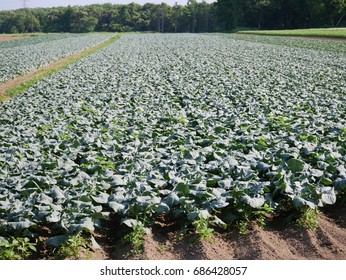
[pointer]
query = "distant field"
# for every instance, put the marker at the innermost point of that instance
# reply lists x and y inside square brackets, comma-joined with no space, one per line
[322,44]
[321,32]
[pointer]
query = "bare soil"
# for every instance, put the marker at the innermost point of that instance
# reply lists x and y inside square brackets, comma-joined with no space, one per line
[299,37]
[319,38]
[277,241]
[9,38]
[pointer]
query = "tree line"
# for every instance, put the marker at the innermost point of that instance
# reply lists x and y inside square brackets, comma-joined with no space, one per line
[193,17]
[223,15]
[281,14]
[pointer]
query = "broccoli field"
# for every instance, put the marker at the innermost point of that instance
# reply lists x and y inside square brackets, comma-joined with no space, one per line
[21,56]
[210,132]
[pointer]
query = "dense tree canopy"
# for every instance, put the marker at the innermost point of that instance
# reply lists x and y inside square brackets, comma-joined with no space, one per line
[223,15]
[281,14]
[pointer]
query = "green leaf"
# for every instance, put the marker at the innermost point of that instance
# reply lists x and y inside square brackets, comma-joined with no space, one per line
[94,244]
[56,241]
[182,189]
[54,217]
[316,173]
[87,223]
[326,181]
[225,184]
[192,215]
[172,199]
[254,202]
[295,165]
[204,214]
[130,222]
[219,203]
[117,207]
[57,193]
[162,208]
[45,199]
[340,185]
[118,180]
[20,225]
[217,221]
[102,198]
[328,196]
[301,202]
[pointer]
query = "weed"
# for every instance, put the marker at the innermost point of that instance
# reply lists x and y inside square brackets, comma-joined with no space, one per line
[136,239]
[162,248]
[202,228]
[243,227]
[308,219]
[72,247]
[16,248]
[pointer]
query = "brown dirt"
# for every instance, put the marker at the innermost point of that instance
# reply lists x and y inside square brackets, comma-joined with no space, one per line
[298,37]
[319,38]
[9,38]
[277,241]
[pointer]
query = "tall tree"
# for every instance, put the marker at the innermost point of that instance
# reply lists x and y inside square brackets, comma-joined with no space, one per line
[335,9]
[81,21]
[230,13]
[257,8]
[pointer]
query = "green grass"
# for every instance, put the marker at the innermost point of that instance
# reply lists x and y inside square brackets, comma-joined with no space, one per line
[320,32]
[73,247]
[43,72]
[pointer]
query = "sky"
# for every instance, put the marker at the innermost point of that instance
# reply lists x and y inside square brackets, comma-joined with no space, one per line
[16,4]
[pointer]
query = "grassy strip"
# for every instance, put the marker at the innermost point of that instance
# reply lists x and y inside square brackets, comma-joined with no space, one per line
[47,70]
[320,32]
[332,45]
[22,87]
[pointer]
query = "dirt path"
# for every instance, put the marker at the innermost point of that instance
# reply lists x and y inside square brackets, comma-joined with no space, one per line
[297,37]
[318,38]
[277,241]
[10,38]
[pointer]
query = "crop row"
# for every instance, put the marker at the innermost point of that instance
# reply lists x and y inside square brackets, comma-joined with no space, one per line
[201,128]
[21,56]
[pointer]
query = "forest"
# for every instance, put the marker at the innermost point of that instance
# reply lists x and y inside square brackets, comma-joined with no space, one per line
[220,16]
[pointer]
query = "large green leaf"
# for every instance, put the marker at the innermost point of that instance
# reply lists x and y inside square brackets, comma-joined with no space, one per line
[116,206]
[20,225]
[301,202]
[56,241]
[295,165]
[254,202]
[328,196]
